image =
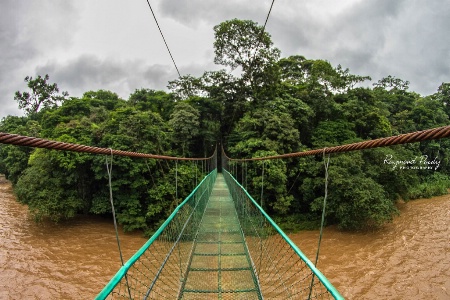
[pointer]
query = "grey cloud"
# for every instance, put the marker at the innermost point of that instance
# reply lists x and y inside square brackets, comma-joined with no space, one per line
[294,30]
[89,72]
[30,31]
[400,38]
[362,29]
[26,27]
[406,39]
[156,76]
[84,70]
[198,12]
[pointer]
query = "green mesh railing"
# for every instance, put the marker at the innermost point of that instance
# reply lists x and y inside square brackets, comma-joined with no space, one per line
[219,244]
[159,269]
[221,267]
[282,270]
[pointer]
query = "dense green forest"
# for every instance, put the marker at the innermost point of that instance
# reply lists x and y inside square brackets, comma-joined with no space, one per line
[268,105]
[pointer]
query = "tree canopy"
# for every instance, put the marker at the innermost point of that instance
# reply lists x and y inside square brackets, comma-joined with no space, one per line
[274,105]
[42,95]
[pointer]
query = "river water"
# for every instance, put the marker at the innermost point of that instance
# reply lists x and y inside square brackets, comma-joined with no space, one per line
[408,259]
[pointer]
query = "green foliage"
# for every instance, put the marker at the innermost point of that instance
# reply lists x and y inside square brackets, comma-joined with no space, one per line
[436,184]
[42,95]
[366,113]
[428,113]
[333,133]
[360,203]
[46,190]
[355,201]
[264,129]
[242,43]
[443,96]
[395,182]
[268,179]
[393,84]
[156,101]
[184,123]
[13,159]
[297,222]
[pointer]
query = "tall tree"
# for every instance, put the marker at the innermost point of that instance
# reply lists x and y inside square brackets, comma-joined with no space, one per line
[184,122]
[42,95]
[392,83]
[443,95]
[245,44]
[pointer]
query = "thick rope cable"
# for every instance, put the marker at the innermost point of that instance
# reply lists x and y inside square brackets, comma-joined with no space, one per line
[109,171]
[412,137]
[21,140]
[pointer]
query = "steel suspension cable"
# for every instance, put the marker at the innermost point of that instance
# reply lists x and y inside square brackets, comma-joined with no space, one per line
[162,35]
[268,15]
[262,31]
[260,36]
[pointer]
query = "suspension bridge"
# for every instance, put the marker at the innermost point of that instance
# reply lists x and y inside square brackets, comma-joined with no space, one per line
[219,243]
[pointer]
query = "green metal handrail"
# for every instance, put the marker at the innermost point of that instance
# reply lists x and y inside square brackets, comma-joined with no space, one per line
[263,230]
[141,266]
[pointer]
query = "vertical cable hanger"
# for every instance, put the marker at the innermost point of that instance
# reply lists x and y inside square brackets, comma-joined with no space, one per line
[109,171]
[196,176]
[326,163]
[150,172]
[262,185]
[242,175]
[176,181]
[246,187]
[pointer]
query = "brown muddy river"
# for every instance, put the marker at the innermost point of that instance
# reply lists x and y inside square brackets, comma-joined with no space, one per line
[408,259]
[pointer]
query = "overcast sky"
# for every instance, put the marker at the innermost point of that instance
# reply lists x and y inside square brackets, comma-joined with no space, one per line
[115,45]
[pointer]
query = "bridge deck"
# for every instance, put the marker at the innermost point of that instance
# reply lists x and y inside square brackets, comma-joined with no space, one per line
[220,267]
